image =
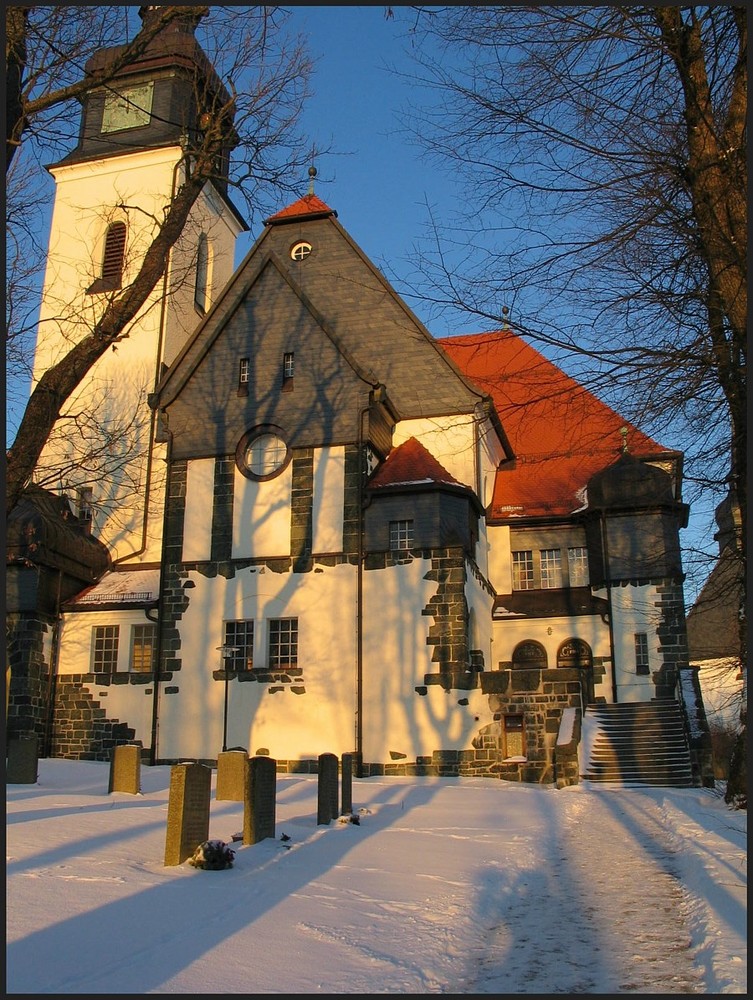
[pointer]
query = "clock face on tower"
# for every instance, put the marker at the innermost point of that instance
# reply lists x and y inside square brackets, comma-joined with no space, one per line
[128,107]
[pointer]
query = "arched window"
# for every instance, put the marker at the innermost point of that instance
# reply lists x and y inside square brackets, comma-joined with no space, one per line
[201,284]
[113,257]
[529,654]
[574,653]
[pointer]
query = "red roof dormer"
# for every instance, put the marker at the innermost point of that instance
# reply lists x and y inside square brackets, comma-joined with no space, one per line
[410,464]
[309,206]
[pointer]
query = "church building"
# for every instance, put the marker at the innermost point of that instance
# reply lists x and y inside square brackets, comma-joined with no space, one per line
[328,531]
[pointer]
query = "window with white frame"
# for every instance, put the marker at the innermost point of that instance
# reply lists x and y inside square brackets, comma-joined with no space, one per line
[522,570]
[551,569]
[577,566]
[283,642]
[244,374]
[239,645]
[288,369]
[401,536]
[105,640]
[641,653]
[143,647]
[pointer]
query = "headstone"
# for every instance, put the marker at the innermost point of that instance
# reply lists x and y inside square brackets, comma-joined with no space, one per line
[259,800]
[232,775]
[327,799]
[346,795]
[23,759]
[125,769]
[187,811]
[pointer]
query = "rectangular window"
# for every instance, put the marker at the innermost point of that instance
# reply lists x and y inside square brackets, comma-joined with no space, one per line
[401,536]
[239,645]
[577,566]
[641,653]
[288,368]
[283,642]
[522,570]
[143,647]
[244,374]
[105,648]
[515,744]
[551,569]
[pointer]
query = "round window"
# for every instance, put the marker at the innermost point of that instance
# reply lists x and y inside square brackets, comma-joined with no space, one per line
[262,453]
[300,250]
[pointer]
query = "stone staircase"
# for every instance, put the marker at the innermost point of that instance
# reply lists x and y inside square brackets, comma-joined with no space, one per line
[638,743]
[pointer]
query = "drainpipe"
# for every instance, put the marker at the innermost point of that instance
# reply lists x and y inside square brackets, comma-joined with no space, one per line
[160,606]
[359,602]
[605,564]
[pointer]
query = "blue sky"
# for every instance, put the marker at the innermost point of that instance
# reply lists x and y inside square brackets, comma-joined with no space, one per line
[375,177]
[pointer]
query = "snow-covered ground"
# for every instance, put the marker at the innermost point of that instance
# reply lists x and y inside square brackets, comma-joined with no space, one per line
[444,886]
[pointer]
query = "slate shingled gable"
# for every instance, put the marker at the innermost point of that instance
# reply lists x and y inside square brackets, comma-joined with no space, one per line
[354,305]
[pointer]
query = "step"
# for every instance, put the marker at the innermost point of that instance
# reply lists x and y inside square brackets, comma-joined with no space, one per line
[639,743]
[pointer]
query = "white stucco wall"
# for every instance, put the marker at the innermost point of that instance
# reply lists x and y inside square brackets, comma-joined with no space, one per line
[285,724]
[500,560]
[133,188]
[197,522]
[329,489]
[449,439]
[396,719]
[634,610]
[261,515]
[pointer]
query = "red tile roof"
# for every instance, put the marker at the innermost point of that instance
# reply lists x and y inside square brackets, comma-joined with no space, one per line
[309,204]
[411,464]
[561,434]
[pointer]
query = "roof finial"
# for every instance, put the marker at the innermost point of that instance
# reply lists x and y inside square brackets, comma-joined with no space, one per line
[624,432]
[505,318]
[312,175]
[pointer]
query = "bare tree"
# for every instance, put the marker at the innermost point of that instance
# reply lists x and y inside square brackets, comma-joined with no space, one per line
[252,89]
[604,150]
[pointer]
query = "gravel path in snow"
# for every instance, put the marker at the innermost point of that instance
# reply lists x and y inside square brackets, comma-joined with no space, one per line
[585,919]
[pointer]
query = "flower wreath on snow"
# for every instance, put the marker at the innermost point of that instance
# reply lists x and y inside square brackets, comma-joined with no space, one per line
[212,855]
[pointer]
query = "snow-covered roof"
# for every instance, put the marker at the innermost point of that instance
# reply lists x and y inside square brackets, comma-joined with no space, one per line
[125,586]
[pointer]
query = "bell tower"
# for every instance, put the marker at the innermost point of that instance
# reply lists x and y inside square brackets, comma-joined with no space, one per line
[110,191]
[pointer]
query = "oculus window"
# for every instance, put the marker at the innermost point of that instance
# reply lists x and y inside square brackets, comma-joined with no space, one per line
[300,250]
[262,453]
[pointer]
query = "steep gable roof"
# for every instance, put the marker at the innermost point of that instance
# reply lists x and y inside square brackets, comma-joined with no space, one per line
[410,464]
[560,433]
[361,312]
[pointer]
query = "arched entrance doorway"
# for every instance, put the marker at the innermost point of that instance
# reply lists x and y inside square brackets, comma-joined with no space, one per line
[576,653]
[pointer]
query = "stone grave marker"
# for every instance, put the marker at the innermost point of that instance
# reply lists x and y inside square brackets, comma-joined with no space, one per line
[187,811]
[259,800]
[125,769]
[232,775]
[327,799]
[346,796]
[23,760]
